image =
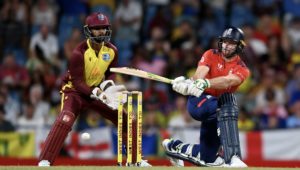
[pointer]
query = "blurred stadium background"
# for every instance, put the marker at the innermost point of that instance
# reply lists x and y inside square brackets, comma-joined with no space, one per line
[161,36]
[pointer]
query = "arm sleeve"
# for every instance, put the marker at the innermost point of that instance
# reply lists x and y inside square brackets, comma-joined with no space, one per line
[242,72]
[77,73]
[205,59]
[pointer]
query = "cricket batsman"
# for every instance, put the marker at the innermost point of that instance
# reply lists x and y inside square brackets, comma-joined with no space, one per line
[211,101]
[87,84]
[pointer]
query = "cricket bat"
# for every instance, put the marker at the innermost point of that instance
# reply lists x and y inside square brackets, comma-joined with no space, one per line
[140,73]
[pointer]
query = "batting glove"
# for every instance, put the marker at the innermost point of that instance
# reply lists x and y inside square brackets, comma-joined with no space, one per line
[180,85]
[197,87]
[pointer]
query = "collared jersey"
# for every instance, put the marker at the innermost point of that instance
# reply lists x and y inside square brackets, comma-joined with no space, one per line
[218,66]
[87,69]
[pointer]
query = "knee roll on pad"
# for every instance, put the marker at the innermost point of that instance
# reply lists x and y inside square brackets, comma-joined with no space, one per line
[227,115]
[67,118]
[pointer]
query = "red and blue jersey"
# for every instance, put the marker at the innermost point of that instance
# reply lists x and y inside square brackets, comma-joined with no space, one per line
[218,66]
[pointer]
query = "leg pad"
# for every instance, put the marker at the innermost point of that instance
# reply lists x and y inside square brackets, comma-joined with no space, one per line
[228,129]
[57,135]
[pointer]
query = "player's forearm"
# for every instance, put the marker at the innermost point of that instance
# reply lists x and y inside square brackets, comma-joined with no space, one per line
[200,73]
[223,82]
[81,87]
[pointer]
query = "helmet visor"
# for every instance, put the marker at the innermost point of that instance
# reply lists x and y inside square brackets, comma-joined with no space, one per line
[98,34]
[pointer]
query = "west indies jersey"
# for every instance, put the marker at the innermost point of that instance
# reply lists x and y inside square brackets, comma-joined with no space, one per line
[219,67]
[87,68]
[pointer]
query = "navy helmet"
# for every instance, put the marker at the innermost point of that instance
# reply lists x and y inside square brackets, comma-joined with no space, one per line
[233,34]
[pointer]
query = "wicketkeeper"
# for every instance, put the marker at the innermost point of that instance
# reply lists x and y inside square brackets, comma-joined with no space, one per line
[85,87]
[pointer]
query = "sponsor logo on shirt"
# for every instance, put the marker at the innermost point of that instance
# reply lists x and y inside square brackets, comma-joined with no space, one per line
[220,66]
[106,57]
[95,72]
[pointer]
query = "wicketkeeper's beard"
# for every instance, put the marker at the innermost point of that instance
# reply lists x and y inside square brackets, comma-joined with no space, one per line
[97,40]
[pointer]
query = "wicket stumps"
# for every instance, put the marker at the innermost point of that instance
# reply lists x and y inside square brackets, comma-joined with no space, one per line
[129,96]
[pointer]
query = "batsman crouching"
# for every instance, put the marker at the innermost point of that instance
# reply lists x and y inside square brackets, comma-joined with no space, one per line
[211,100]
[85,86]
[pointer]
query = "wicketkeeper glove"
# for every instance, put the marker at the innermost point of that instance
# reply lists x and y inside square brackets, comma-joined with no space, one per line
[97,92]
[106,84]
[108,93]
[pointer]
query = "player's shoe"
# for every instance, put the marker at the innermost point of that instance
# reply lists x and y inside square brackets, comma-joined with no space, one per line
[44,163]
[219,162]
[167,143]
[144,163]
[236,162]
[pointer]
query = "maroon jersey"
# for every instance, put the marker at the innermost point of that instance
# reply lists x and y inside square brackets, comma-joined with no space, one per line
[88,69]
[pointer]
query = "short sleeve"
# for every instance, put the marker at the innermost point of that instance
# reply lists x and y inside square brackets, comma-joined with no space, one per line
[205,59]
[242,72]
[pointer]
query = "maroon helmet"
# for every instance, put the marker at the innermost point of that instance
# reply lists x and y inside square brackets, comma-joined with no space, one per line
[97,20]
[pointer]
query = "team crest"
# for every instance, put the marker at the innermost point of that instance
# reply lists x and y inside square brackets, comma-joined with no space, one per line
[106,57]
[101,17]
